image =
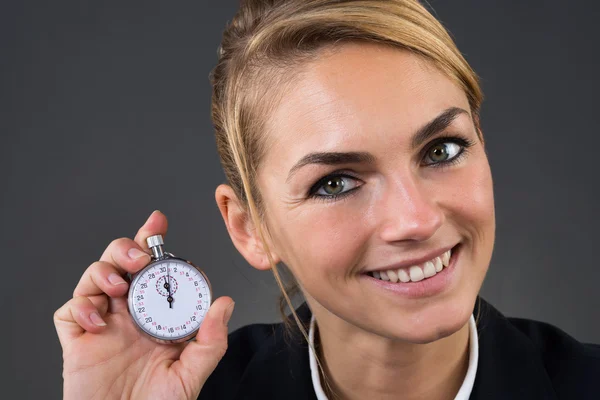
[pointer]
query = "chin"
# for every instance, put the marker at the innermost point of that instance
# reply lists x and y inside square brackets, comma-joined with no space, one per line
[433,332]
[433,323]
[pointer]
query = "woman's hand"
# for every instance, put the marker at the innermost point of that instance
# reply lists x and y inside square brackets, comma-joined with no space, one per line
[106,357]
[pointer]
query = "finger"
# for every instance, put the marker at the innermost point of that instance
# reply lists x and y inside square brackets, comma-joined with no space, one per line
[101,302]
[75,317]
[125,255]
[101,277]
[200,357]
[156,224]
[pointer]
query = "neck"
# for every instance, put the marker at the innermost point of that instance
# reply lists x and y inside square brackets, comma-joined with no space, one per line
[360,365]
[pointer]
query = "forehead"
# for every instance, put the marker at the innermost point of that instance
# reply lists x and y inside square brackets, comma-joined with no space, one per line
[357,97]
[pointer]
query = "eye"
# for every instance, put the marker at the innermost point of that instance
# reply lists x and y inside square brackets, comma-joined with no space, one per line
[333,186]
[445,151]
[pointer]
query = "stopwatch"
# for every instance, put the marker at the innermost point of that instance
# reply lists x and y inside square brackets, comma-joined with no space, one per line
[169,298]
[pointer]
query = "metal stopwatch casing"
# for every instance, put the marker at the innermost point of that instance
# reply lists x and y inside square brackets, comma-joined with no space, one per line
[169,298]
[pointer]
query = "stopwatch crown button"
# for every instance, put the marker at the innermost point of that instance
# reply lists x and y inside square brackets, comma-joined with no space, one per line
[156,240]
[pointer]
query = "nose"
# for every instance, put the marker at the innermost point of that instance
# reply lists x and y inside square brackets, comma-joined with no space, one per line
[410,212]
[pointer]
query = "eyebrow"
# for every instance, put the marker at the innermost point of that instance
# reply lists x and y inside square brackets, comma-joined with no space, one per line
[433,127]
[436,125]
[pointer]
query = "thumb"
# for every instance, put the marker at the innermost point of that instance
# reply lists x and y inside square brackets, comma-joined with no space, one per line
[200,357]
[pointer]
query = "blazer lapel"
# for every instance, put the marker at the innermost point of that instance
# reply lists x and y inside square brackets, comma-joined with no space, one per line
[280,370]
[509,367]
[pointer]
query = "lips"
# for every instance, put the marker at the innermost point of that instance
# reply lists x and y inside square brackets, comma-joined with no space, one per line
[441,281]
[416,272]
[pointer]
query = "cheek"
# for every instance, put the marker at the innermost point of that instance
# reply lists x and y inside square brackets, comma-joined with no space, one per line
[322,241]
[472,206]
[466,191]
[481,208]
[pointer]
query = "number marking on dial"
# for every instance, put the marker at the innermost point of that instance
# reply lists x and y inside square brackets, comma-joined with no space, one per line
[154,313]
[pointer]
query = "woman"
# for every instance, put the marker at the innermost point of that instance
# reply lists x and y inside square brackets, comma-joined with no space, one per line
[349,133]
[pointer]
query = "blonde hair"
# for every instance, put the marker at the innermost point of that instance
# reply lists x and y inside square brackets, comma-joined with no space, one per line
[259,54]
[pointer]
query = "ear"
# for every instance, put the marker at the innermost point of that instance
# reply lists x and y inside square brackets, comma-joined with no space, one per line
[241,229]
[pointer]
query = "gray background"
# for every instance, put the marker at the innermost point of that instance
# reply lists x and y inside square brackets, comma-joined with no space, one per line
[105,117]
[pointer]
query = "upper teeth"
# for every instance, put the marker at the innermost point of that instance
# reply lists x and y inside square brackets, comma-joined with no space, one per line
[415,273]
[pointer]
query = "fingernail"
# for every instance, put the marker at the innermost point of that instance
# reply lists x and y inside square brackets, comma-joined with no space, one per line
[153,212]
[136,254]
[228,313]
[97,319]
[115,279]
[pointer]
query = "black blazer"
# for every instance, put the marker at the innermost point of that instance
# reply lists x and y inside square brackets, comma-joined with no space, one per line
[518,359]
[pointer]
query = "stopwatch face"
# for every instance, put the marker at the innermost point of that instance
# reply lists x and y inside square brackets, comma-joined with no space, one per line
[169,299]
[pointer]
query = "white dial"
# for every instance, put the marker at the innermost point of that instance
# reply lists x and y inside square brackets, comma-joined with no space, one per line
[169,299]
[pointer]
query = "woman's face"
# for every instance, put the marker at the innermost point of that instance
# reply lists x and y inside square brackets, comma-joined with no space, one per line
[350,188]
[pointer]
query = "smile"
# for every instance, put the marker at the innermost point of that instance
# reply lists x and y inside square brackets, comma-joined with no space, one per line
[415,273]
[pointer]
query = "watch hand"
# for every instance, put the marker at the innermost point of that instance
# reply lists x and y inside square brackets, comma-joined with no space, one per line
[168,287]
